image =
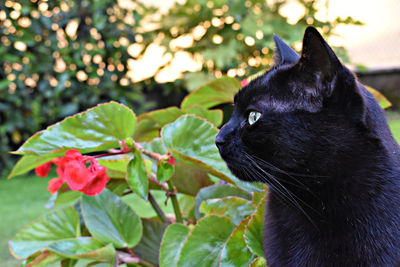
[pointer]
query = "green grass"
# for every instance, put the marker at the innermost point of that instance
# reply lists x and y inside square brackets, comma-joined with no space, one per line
[22,200]
[394,122]
[395,126]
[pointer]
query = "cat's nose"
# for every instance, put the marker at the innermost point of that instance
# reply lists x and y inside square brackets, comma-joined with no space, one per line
[220,139]
[225,134]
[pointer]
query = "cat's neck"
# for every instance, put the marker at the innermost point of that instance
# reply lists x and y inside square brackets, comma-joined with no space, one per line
[340,186]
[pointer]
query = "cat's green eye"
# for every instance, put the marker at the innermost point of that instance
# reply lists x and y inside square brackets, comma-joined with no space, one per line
[253,117]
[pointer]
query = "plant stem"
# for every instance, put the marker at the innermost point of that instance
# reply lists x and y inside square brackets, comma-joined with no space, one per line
[131,252]
[110,154]
[157,208]
[156,156]
[134,259]
[163,185]
[175,202]
[152,155]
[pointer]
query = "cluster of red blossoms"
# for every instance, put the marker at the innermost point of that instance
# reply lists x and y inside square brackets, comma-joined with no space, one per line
[71,169]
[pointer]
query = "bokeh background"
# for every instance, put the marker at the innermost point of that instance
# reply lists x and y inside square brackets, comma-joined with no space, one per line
[59,57]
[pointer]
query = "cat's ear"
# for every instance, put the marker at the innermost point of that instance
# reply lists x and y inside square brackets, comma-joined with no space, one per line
[317,56]
[319,60]
[284,54]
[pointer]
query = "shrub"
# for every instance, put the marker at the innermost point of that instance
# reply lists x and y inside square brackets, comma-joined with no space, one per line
[58,58]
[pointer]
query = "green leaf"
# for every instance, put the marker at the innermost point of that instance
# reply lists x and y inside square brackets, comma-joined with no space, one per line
[91,263]
[116,163]
[188,179]
[83,248]
[149,246]
[45,230]
[254,230]
[192,140]
[156,145]
[214,116]
[216,92]
[258,262]
[96,129]
[69,263]
[174,237]
[117,186]
[27,163]
[110,220]
[150,123]
[43,259]
[136,175]
[233,207]
[186,203]
[235,252]
[143,208]
[258,197]
[206,241]
[164,171]
[218,191]
[67,198]
[382,100]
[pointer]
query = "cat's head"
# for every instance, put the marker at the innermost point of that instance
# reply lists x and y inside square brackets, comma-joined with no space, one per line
[304,109]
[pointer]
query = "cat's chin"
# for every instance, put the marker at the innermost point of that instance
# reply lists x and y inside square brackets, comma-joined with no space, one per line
[234,166]
[240,173]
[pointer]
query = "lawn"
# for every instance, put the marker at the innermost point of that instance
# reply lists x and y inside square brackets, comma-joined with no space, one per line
[394,122]
[23,199]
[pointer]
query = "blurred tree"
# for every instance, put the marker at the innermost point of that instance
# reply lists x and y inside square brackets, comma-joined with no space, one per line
[232,37]
[61,57]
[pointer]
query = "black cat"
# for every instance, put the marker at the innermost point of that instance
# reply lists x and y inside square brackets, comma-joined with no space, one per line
[321,142]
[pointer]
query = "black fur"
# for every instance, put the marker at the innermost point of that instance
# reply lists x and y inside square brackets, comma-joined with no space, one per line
[332,165]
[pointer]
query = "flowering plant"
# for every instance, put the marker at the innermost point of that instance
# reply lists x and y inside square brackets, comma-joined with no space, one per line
[71,169]
[147,190]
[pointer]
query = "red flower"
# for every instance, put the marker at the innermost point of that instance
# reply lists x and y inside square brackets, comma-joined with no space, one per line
[75,174]
[73,154]
[244,82]
[171,160]
[43,170]
[54,185]
[97,180]
[72,169]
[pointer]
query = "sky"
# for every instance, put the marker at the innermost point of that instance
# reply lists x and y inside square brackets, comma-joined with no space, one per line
[377,43]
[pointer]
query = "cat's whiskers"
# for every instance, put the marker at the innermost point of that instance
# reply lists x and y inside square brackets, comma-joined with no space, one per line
[281,194]
[283,171]
[278,170]
[278,186]
[291,175]
[285,196]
